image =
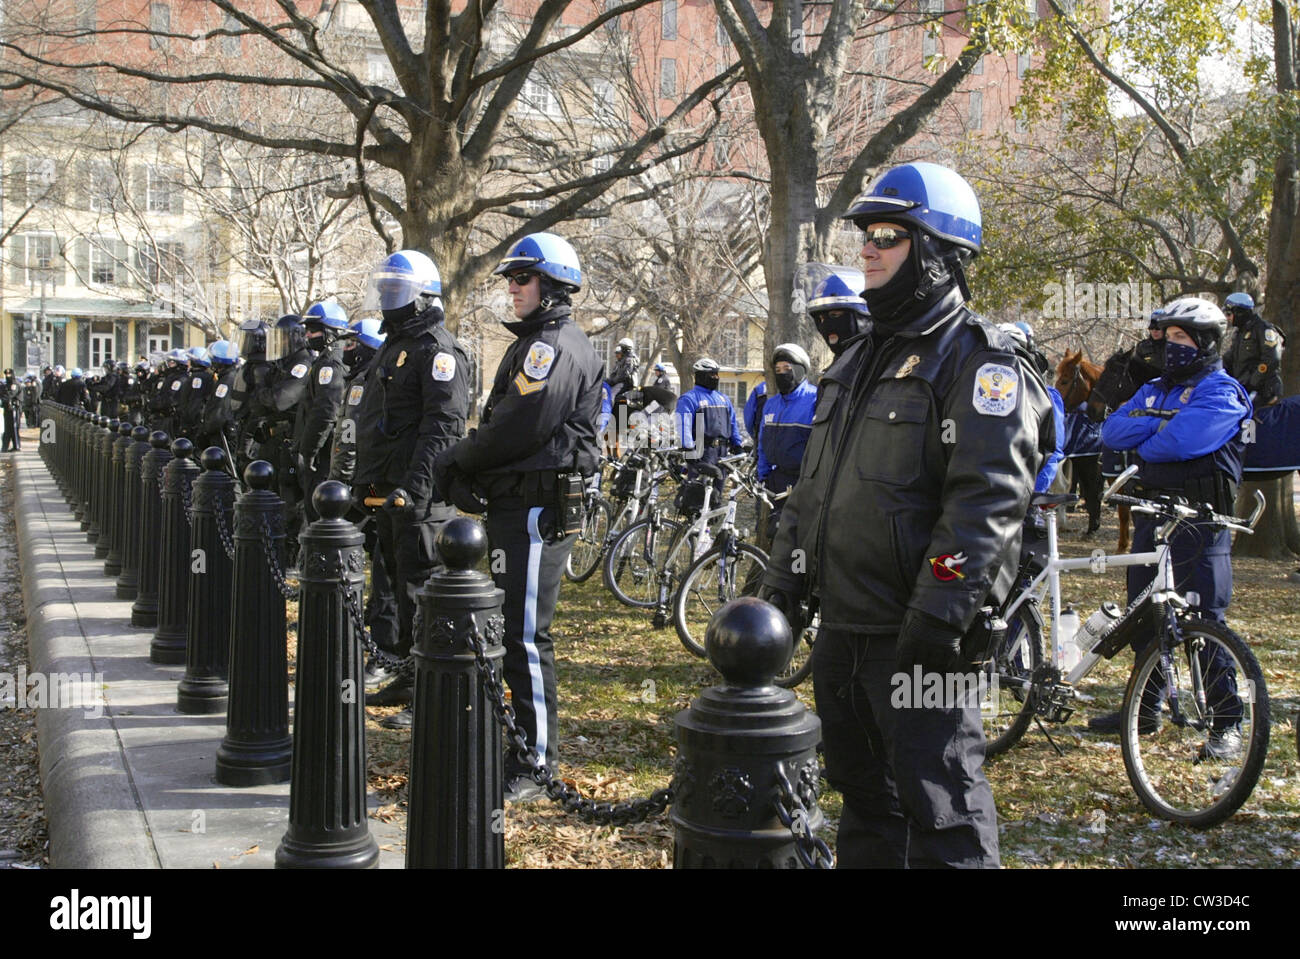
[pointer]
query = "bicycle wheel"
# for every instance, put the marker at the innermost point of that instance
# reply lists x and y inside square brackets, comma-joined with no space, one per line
[716,578]
[589,544]
[1194,740]
[800,664]
[1009,707]
[633,563]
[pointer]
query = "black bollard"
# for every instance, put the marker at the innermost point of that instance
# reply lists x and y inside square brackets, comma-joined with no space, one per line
[91,458]
[117,501]
[204,688]
[169,640]
[257,747]
[103,493]
[128,582]
[327,799]
[455,808]
[144,611]
[78,490]
[737,743]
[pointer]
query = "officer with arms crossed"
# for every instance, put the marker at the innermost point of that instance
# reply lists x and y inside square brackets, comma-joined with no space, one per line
[706,421]
[1185,429]
[906,516]
[528,457]
[413,407]
[784,426]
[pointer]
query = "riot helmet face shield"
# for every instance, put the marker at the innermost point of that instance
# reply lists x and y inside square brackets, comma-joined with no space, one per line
[286,338]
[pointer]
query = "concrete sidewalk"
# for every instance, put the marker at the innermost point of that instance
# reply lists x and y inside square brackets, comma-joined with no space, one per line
[133,787]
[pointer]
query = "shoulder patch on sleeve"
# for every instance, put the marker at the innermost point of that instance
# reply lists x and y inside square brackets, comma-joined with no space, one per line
[538,362]
[176,385]
[996,387]
[222,390]
[525,386]
[299,371]
[444,367]
[196,383]
[325,375]
[1271,337]
[354,395]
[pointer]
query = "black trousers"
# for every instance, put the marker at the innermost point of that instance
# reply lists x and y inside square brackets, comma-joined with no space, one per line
[406,542]
[527,562]
[11,440]
[914,791]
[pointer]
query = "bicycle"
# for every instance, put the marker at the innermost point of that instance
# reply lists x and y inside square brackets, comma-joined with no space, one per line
[635,561]
[1195,713]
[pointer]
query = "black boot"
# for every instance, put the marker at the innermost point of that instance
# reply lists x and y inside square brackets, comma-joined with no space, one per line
[400,690]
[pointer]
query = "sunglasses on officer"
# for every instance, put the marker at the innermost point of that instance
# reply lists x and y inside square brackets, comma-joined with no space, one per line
[522,278]
[884,237]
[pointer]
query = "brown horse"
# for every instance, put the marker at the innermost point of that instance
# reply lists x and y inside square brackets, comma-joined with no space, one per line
[1075,378]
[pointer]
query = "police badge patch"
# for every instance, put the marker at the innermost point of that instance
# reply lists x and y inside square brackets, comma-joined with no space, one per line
[1271,337]
[444,367]
[354,395]
[222,390]
[196,383]
[176,385]
[325,375]
[537,365]
[996,387]
[299,371]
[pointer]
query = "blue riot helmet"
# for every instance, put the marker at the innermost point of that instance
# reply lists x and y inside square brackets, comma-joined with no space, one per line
[177,357]
[932,198]
[251,339]
[327,314]
[400,280]
[547,254]
[198,356]
[76,373]
[367,333]
[1238,306]
[834,302]
[286,338]
[223,353]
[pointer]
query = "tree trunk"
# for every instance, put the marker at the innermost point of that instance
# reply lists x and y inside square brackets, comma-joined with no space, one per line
[1269,540]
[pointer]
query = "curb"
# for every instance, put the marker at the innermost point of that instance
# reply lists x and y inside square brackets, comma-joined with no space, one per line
[96,818]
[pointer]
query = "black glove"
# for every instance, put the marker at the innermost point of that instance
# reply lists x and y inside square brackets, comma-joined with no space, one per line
[460,493]
[787,604]
[398,500]
[930,643]
[443,465]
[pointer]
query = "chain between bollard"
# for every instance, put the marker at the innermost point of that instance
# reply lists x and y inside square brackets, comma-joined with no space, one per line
[281,583]
[227,543]
[790,809]
[379,656]
[557,790]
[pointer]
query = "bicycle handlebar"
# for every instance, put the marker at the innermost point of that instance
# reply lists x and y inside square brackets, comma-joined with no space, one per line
[1180,511]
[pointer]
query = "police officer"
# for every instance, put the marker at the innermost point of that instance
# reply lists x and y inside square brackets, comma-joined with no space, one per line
[413,406]
[137,392]
[50,382]
[1035,526]
[275,405]
[253,374]
[216,420]
[30,396]
[361,343]
[785,426]
[107,391]
[660,378]
[1185,429]
[840,314]
[9,400]
[706,422]
[753,411]
[536,442]
[1255,358]
[73,391]
[325,323]
[166,393]
[194,394]
[1148,360]
[907,514]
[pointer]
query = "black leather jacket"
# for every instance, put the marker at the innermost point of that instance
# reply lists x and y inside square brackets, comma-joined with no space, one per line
[916,477]
[541,413]
[1255,359]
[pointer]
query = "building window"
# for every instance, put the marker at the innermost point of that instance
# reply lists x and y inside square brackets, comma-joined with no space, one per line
[978,69]
[38,178]
[879,98]
[880,48]
[232,46]
[722,39]
[602,99]
[103,265]
[602,347]
[101,347]
[667,77]
[604,161]
[87,15]
[31,258]
[1031,8]
[668,20]
[163,191]
[379,70]
[160,262]
[1023,63]
[976,110]
[932,8]
[103,186]
[160,24]
[537,97]
[731,345]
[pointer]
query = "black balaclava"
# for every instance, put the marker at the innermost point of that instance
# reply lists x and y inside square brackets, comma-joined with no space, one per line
[395,320]
[357,354]
[785,382]
[1183,362]
[843,328]
[707,380]
[922,280]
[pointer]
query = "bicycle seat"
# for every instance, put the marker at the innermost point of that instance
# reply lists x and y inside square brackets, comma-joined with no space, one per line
[1052,500]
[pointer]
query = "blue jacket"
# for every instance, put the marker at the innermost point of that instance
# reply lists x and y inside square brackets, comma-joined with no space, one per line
[719,418]
[1082,435]
[783,434]
[1201,438]
[606,407]
[1048,472]
[752,406]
